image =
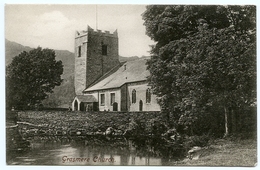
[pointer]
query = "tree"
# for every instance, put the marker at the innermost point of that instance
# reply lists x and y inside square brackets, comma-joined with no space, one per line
[165,23]
[31,76]
[204,57]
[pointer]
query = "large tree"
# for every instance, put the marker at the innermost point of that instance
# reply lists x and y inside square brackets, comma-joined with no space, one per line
[203,63]
[31,76]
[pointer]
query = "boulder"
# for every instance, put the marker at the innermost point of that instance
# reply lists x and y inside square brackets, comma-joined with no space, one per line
[99,132]
[195,152]
[170,133]
[118,132]
[109,131]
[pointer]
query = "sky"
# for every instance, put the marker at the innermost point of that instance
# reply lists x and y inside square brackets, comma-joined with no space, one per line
[54,26]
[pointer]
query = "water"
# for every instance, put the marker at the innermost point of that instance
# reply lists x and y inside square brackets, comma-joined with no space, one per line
[95,151]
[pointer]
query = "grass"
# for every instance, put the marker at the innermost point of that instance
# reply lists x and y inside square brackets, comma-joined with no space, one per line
[226,152]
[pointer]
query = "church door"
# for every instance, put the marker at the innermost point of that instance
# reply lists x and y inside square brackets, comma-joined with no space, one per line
[115,105]
[141,105]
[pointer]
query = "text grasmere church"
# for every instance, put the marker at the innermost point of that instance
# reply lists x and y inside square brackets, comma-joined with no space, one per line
[102,83]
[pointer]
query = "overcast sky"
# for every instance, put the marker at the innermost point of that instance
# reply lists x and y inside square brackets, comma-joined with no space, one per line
[54,26]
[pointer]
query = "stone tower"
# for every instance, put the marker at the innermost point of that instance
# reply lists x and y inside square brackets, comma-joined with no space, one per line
[96,53]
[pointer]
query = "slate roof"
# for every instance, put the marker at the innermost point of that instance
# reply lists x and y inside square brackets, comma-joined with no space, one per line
[130,71]
[86,98]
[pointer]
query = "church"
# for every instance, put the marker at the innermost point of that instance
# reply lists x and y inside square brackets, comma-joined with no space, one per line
[102,83]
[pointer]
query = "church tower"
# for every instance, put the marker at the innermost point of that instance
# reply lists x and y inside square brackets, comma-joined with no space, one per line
[96,53]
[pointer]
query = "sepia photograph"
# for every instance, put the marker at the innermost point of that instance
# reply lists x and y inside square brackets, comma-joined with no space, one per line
[130,85]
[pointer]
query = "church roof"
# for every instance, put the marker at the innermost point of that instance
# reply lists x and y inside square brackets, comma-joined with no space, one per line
[131,71]
[86,98]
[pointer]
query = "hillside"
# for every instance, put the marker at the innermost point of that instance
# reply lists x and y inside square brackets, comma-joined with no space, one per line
[13,49]
[63,94]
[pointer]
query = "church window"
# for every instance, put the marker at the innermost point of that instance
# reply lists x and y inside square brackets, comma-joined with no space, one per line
[79,51]
[112,98]
[104,49]
[102,101]
[148,96]
[134,96]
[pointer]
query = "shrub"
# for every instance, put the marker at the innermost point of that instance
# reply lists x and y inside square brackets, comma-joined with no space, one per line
[191,141]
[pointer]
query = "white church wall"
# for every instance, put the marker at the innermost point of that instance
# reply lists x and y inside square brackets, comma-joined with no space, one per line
[107,106]
[141,95]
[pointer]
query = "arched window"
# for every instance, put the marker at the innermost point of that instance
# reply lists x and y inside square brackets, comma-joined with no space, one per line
[148,96]
[134,96]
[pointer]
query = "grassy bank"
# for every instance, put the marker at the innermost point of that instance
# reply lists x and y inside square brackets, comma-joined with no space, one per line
[226,152]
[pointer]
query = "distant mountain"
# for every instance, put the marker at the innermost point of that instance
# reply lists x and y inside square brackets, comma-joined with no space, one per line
[123,59]
[64,94]
[13,49]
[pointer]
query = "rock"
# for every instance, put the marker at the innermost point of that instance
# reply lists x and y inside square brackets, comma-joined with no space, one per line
[118,132]
[31,132]
[194,153]
[109,131]
[41,132]
[99,132]
[72,132]
[89,133]
[173,137]
[58,132]
[170,133]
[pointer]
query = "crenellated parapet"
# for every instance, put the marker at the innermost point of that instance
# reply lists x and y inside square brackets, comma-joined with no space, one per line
[96,32]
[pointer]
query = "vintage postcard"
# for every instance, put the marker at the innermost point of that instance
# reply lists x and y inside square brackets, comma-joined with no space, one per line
[127,85]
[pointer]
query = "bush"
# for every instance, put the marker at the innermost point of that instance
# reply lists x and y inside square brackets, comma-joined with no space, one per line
[155,127]
[191,141]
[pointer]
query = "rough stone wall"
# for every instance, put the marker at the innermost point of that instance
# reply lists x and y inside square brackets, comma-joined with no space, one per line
[98,64]
[91,64]
[141,95]
[53,122]
[80,63]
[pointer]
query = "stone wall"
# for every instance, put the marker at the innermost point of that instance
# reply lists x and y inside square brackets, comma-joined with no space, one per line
[80,63]
[82,123]
[98,64]
[90,63]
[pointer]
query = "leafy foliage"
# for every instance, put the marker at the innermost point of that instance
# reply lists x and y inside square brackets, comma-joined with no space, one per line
[31,76]
[205,56]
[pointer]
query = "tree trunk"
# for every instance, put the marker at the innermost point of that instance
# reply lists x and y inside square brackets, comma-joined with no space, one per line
[226,122]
